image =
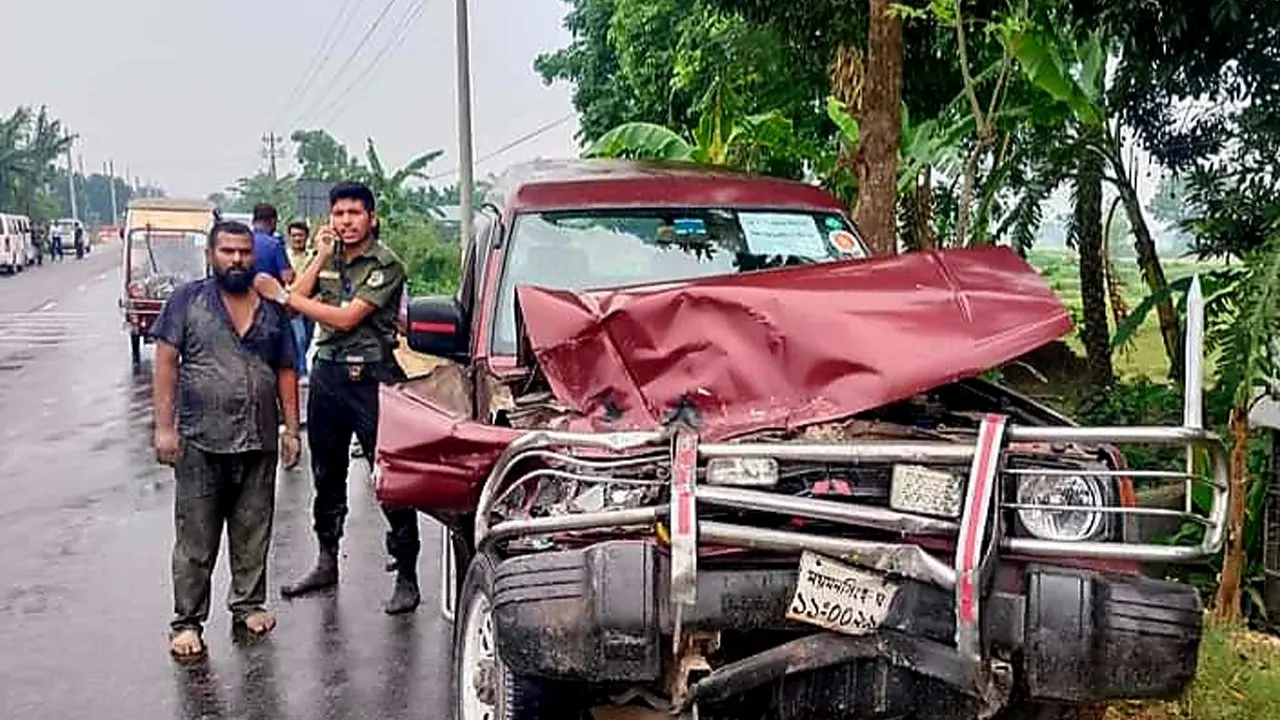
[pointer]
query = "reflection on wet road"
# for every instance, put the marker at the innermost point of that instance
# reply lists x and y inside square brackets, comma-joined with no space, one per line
[85,535]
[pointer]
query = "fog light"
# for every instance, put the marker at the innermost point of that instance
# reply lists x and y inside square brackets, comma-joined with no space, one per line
[743,472]
[926,491]
[1064,490]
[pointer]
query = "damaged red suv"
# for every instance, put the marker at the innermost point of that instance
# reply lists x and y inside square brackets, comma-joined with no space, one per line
[699,456]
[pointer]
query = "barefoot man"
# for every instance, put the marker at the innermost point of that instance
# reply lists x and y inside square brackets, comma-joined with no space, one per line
[224,368]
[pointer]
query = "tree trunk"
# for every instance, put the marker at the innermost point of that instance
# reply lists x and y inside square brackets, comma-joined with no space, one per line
[880,128]
[1153,274]
[1227,605]
[1093,287]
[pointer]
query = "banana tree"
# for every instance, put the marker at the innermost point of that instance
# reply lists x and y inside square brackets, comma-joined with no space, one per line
[722,137]
[397,204]
[1073,75]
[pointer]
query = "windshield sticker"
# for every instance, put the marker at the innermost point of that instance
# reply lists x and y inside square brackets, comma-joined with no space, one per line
[844,242]
[690,226]
[782,234]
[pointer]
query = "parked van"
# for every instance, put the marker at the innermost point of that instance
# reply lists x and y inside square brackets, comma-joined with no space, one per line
[17,249]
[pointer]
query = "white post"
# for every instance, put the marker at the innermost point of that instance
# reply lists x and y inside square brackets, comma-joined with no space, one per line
[111,183]
[466,181]
[71,183]
[1193,382]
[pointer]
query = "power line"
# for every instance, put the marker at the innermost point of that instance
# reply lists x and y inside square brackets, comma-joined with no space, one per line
[326,47]
[350,59]
[407,23]
[513,144]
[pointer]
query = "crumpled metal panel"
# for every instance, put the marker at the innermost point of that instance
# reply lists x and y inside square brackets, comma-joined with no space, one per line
[788,347]
[430,459]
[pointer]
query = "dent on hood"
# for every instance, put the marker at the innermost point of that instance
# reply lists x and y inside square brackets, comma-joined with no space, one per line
[789,347]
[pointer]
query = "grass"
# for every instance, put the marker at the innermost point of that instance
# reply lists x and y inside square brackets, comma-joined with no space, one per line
[1144,356]
[1239,679]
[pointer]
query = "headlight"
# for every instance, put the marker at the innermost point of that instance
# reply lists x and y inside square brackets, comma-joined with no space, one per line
[1066,490]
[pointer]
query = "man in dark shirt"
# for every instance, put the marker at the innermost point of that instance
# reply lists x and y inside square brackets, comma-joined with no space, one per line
[359,282]
[224,366]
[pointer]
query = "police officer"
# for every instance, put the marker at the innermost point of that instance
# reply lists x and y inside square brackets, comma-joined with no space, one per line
[358,283]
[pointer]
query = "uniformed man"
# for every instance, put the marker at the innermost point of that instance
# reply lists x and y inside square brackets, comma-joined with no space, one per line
[359,283]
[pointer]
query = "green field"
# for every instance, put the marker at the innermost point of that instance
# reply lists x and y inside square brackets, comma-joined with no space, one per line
[1145,355]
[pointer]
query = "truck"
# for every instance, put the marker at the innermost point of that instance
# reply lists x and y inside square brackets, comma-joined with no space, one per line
[696,454]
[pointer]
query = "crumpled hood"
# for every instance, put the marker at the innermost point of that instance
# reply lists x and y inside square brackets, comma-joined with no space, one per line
[788,347]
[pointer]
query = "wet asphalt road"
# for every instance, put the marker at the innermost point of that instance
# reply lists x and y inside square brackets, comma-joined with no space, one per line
[86,530]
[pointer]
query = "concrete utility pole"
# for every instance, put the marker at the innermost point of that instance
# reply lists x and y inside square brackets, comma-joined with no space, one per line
[71,184]
[466,181]
[110,168]
[271,152]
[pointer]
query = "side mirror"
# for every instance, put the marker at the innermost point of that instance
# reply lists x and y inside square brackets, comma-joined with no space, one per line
[436,326]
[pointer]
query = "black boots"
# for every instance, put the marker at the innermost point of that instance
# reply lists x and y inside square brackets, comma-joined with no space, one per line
[405,597]
[323,575]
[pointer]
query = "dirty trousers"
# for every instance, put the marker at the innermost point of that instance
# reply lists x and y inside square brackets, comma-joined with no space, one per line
[338,406]
[212,490]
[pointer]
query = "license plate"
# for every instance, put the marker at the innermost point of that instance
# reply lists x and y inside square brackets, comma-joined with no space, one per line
[925,491]
[840,598]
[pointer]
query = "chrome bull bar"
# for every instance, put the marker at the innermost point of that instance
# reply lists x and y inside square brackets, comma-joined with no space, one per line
[982,498]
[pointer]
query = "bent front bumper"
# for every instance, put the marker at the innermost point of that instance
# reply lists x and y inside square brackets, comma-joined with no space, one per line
[602,614]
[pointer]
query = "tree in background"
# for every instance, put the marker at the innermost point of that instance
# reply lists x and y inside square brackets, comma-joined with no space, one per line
[31,142]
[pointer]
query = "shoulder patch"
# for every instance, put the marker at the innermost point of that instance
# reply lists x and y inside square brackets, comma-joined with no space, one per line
[376,278]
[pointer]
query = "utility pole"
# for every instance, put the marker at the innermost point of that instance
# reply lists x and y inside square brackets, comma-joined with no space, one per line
[84,180]
[271,152]
[110,168]
[466,181]
[71,183]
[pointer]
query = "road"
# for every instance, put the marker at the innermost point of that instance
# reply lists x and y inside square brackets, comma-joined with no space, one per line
[86,531]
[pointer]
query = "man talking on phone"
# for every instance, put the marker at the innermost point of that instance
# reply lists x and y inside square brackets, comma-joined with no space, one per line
[358,283]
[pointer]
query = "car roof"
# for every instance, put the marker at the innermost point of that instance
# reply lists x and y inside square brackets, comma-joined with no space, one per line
[543,185]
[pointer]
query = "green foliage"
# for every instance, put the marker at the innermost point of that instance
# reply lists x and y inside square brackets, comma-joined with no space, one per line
[433,265]
[640,140]
[31,141]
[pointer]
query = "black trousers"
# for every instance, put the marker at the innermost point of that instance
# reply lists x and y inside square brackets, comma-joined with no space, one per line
[337,407]
[213,490]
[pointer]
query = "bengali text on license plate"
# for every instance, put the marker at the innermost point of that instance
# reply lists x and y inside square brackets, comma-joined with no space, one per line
[840,598]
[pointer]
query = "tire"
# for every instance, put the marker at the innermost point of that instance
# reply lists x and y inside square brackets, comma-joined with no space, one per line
[135,348]
[514,697]
[1050,711]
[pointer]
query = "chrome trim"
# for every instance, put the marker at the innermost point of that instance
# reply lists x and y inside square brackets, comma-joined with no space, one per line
[864,515]
[541,439]
[863,452]
[604,520]
[905,560]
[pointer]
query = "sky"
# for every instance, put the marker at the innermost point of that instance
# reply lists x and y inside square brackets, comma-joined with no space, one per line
[182,92]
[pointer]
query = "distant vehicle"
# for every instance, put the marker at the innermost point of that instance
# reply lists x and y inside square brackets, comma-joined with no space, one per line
[66,229]
[164,248]
[246,218]
[17,249]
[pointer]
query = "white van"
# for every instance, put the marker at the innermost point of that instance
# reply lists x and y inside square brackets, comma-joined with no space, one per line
[17,249]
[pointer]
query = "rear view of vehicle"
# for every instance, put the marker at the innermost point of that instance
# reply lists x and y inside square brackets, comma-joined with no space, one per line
[164,247]
[16,245]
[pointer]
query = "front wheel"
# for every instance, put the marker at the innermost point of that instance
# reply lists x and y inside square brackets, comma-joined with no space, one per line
[1050,711]
[481,686]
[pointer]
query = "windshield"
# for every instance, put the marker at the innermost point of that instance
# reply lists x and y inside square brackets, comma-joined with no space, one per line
[581,250]
[179,257]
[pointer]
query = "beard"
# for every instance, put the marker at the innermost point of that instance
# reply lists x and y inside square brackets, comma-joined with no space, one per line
[235,282]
